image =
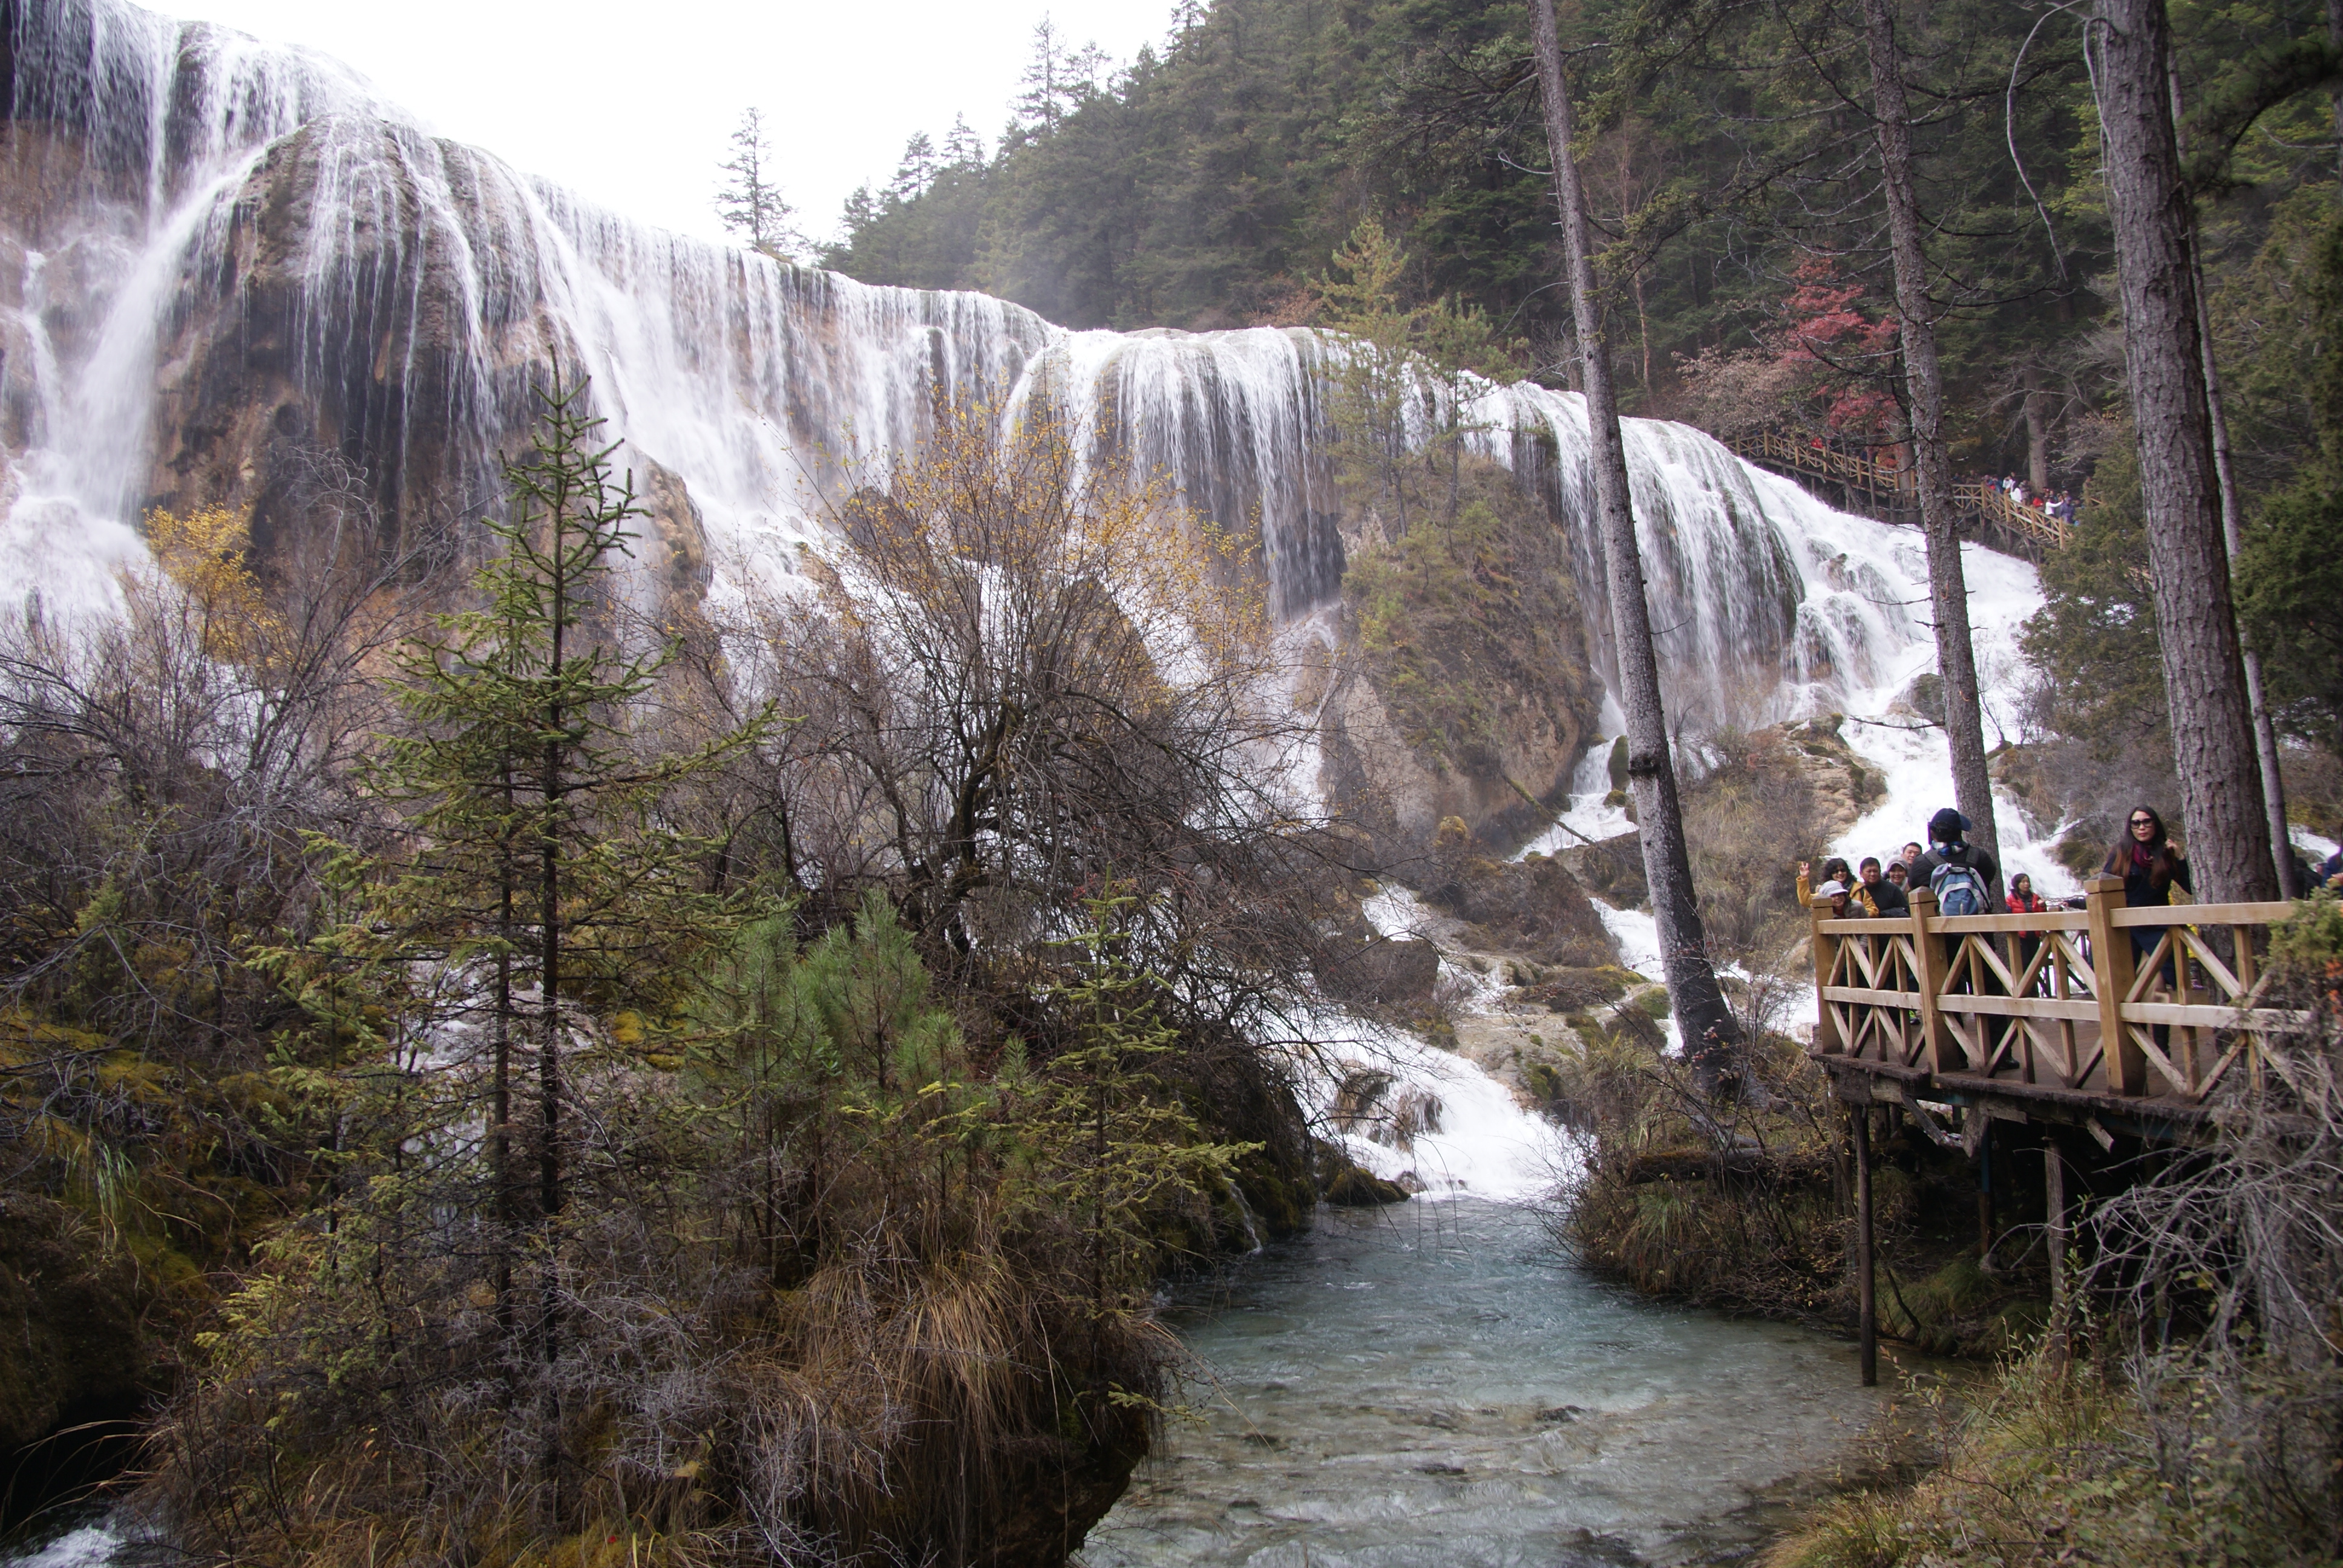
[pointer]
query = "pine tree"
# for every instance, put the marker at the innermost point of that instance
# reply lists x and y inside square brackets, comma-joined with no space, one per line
[543,891]
[1948,601]
[916,172]
[964,148]
[750,203]
[2221,796]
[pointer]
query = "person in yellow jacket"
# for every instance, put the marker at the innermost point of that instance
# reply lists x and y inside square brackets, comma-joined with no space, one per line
[1833,870]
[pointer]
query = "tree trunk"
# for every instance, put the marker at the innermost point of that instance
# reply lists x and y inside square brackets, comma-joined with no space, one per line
[2037,432]
[1949,593]
[2233,541]
[2204,676]
[2334,37]
[1710,1033]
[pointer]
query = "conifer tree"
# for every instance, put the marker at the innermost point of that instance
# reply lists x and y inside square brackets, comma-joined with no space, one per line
[2221,794]
[751,204]
[544,893]
[1916,313]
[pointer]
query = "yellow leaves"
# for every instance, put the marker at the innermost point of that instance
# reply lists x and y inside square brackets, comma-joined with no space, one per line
[203,554]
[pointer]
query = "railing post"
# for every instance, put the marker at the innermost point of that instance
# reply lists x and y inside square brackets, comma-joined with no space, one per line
[1929,966]
[2111,975]
[1827,1038]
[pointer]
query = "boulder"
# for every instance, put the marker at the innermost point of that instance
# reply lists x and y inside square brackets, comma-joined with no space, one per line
[1533,907]
[1353,1188]
[1395,971]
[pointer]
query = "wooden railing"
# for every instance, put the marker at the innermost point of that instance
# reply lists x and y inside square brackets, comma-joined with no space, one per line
[1889,485]
[1973,1001]
[1881,481]
[1988,500]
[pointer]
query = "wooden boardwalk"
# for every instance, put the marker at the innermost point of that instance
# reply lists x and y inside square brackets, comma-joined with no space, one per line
[1884,491]
[2056,1018]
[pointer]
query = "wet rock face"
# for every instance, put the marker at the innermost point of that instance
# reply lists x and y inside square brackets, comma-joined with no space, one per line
[378,357]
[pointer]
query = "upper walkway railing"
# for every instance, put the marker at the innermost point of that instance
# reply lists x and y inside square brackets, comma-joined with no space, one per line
[1888,486]
[2059,1004]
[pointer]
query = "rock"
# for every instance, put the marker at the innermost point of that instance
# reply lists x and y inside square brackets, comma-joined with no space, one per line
[1572,990]
[1613,869]
[70,1347]
[1353,1188]
[1394,972]
[1535,909]
[1464,692]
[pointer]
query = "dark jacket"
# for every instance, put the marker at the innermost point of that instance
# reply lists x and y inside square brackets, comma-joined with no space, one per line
[2142,887]
[1968,855]
[1884,898]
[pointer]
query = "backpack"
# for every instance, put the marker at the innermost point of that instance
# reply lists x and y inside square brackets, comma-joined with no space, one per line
[1959,890]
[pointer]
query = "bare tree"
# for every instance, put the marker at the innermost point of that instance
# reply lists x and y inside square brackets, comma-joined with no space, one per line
[1709,1029]
[2221,799]
[1030,679]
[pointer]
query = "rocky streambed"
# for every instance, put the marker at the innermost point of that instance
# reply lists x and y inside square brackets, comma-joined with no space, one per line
[1433,1384]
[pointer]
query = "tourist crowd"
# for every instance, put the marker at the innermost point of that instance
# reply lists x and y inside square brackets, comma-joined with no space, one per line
[2060,505]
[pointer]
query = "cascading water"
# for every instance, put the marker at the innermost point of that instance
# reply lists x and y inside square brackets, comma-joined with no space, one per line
[223,251]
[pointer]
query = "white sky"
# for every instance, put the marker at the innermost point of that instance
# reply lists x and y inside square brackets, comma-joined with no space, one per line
[631,104]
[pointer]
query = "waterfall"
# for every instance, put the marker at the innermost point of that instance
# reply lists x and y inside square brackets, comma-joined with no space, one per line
[217,252]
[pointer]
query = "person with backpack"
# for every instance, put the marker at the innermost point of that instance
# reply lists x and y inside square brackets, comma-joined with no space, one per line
[1960,874]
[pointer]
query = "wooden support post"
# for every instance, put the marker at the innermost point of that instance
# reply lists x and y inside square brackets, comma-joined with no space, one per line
[1985,1193]
[1866,1288]
[2054,1185]
[1827,1039]
[1942,1052]
[2111,975]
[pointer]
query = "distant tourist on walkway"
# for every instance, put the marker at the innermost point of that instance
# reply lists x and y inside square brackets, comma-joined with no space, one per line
[1909,857]
[2024,901]
[2149,862]
[1960,874]
[1879,895]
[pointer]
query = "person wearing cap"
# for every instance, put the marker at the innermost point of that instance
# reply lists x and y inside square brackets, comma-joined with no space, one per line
[1948,845]
[1842,900]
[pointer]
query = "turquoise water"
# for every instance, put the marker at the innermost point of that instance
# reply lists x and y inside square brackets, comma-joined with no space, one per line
[1433,1384]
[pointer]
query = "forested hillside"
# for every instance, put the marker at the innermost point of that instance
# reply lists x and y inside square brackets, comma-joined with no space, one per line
[1728,153]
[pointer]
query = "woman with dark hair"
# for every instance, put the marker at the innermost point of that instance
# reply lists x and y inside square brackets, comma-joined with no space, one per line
[2149,862]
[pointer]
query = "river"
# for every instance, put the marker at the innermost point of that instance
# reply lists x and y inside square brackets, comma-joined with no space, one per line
[1433,1383]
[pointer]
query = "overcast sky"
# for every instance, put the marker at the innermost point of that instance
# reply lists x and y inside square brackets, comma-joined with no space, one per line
[631,104]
